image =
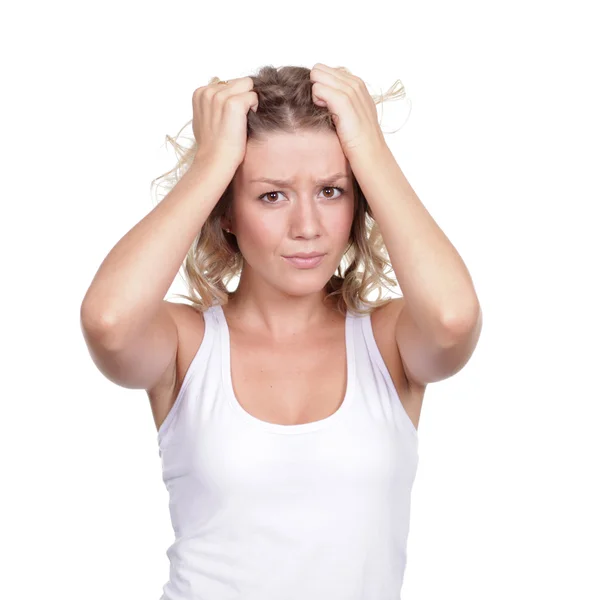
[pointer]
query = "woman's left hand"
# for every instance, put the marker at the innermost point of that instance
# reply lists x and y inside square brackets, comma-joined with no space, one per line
[352,109]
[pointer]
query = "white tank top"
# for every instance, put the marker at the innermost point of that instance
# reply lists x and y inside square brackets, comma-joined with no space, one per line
[264,511]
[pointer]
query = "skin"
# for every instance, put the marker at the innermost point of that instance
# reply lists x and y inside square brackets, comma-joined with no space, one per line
[277,321]
[274,298]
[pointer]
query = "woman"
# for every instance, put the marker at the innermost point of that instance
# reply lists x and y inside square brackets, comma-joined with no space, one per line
[287,410]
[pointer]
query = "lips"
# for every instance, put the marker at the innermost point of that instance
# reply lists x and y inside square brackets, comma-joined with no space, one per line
[305,255]
[301,262]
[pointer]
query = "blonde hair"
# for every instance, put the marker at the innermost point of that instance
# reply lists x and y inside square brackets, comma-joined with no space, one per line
[284,105]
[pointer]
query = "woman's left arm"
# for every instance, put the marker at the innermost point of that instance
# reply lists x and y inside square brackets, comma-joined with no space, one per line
[434,280]
[439,325]
[440,321]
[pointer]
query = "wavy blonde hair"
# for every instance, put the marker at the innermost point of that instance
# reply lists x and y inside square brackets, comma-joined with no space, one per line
[285,104]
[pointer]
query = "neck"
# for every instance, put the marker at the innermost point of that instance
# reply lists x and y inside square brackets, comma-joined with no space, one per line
[281,318]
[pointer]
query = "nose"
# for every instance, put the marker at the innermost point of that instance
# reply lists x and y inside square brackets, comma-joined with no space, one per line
[306,218]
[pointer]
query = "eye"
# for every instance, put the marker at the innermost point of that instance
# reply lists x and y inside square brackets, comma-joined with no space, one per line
[329,187]
[268,194]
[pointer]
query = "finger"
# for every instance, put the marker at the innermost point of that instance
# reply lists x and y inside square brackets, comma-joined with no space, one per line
[339,72]
[331,79]
[232,85]
[254,100]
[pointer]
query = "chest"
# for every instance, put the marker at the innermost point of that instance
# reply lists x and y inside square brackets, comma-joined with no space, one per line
[290,384]
[293,385]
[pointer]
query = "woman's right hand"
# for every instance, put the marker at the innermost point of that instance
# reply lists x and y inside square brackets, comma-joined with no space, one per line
[220,120]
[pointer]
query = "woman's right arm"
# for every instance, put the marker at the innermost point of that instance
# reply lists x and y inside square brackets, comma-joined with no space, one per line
[129,329]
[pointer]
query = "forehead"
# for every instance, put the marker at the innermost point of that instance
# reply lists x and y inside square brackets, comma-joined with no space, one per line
[306,154]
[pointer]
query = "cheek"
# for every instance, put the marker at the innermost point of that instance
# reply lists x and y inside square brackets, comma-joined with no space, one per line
[261,227]
[341,225]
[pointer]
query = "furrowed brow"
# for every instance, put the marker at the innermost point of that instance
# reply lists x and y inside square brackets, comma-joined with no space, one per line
[288,183]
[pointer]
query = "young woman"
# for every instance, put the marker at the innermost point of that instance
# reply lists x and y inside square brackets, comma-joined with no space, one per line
[286,410]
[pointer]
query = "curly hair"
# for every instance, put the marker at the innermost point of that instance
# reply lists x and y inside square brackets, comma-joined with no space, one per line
[214,259]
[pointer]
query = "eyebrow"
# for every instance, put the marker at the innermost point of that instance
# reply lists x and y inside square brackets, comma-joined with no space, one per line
[287,183]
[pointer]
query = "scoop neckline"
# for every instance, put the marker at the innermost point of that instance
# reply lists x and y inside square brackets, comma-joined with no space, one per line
[280,428]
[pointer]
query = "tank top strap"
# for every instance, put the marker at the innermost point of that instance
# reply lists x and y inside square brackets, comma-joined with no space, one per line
[193,374]
[210,316]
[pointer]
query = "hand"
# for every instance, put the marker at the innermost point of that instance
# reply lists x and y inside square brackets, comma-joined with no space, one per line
[220,120]
[352,109]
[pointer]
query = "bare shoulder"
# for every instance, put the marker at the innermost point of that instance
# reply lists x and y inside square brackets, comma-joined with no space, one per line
[185,315]
[190,333]
[383,320]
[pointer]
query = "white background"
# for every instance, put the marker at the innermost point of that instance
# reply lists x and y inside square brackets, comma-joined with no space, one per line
[502,147]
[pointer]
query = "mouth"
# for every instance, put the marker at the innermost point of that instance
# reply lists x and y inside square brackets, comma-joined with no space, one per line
[305,262]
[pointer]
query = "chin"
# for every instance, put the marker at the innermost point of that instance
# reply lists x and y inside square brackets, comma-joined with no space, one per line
[301,288]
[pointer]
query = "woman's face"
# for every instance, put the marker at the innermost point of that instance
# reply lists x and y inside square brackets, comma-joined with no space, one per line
[305,211]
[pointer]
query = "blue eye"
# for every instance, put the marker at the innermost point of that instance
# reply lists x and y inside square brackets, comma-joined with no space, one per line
[328,187]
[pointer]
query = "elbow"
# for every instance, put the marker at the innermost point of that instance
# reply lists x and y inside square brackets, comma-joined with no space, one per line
[457,326]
